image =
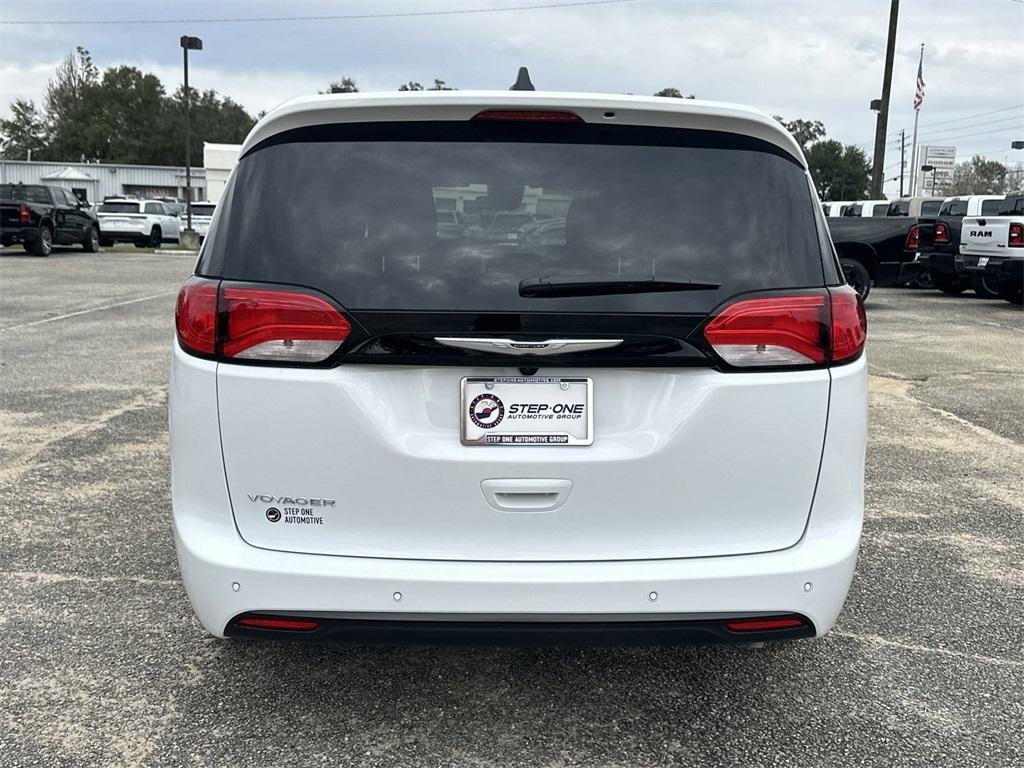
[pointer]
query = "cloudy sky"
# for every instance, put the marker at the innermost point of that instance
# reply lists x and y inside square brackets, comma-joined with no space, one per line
[815,59]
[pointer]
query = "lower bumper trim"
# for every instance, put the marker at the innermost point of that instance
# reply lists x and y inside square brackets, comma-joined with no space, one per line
[525,633]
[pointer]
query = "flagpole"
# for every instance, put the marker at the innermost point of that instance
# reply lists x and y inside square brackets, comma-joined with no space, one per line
[913,151]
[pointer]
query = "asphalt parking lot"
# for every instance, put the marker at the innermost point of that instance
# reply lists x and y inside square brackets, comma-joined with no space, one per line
[102,662]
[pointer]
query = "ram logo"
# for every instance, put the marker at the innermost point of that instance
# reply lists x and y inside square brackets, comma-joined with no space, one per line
[981,233]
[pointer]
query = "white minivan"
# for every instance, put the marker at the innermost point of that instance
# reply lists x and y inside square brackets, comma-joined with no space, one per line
[648,427]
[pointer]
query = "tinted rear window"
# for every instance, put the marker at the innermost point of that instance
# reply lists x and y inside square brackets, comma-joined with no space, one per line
[358,218]
[991,207]
[955,208]
[930,207]
[119,208]
[30,193]
[1011,205]
[899,208]
[202,210]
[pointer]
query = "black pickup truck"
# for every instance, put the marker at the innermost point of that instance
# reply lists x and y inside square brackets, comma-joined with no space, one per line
[40,216]
[937,241]
[872,250]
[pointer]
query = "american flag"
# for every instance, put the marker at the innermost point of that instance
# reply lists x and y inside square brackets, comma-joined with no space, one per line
[919,93]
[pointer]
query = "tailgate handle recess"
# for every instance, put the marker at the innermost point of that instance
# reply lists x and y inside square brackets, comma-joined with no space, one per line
[526,495]
[513,347]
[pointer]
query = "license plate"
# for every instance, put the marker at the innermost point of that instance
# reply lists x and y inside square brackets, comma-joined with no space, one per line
[527,410]
[983,261]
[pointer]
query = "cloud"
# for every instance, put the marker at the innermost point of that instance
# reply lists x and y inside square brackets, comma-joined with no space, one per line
[814,60]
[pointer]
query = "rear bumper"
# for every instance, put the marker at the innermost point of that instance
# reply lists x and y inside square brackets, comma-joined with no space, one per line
[611,592]
[525,633]
[19,234]
[226,577]
[941,262]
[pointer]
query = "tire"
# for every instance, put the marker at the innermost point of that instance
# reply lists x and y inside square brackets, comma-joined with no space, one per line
[1013,294]
[43,244]
[951,286]
[91,244]
[985,289]
[155,238]
[857,276]
[925,280]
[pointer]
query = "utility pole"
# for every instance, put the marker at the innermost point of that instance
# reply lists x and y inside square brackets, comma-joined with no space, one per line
[882,124]
[903,156]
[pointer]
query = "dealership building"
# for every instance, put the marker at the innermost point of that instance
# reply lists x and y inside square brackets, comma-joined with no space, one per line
[95,181]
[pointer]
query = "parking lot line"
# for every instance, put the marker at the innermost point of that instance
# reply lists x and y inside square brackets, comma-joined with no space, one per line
[87,311]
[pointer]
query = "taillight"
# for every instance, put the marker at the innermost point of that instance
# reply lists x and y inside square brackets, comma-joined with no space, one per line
[941,234]
[274,325]
[196,316]
[913,238]
[24,214]
[1016,237]
[790,331]
[216,319]
[529,115]
[849,324]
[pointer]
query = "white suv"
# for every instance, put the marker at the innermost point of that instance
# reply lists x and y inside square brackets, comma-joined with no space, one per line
[147,223]
[202,215]
[649,429]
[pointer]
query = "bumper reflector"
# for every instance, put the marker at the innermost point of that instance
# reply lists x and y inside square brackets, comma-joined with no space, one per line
[279,622]
[766,624]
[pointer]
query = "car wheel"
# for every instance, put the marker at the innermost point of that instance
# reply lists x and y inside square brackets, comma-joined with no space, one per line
[155,237]
[857,276]
[925,280]
[986,288]
[43,244]
[953,286]
[91,244]
[1013,294]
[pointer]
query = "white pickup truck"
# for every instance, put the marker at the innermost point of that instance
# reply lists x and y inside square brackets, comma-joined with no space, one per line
[993,247]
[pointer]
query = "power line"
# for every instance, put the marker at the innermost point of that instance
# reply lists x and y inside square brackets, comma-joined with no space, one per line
[967,135]
[953,120]
[980,114]
[329,17]
[981,125]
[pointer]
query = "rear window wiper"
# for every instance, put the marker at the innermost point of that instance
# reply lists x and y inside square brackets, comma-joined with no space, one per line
[556,286]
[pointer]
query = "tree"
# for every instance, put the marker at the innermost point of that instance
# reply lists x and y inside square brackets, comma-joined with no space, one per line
[345,85]
[123,119]
[23,132]
[673,93]
[806,132]
[439,85]
[121,116]
[1014,178]
[978,176]
[215,119]
[65,93]
[839,173]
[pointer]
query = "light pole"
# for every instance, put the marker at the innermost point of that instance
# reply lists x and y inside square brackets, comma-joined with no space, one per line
[931,168]
[188,44]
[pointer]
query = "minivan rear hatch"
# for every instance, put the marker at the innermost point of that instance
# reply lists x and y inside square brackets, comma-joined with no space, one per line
[422,232]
